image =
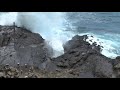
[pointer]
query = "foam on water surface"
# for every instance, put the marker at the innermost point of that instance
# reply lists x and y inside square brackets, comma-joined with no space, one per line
[108,45]
[51,26]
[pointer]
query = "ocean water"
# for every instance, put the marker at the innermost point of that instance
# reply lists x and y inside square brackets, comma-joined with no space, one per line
[104,26]
[59,27]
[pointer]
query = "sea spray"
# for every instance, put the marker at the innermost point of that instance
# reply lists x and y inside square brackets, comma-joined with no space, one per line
[52,27]
[7,18]
[47,24]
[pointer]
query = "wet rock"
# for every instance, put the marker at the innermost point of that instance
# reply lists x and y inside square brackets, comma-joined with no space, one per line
[89,62]
[77,41]
[118,57]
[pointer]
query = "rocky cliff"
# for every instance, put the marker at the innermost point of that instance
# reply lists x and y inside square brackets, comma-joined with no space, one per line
[22,51]
[18,45]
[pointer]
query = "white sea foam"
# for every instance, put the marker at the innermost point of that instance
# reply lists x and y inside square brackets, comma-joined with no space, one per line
[51,26]
[48,24]
[108,45]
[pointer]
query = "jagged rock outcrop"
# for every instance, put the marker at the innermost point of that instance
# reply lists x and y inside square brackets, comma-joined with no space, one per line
[84,57]
[81,60]
[116,66]
[18,45]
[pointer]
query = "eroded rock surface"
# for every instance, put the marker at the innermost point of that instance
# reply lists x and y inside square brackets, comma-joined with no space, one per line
[80,55]
[23,48]
[18,45]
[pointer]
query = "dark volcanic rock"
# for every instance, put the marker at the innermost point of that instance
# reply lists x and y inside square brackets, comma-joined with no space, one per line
[116,62]
[77,41]
[18,45]
[80,55]
[100,66]
[116,66]
[48,65]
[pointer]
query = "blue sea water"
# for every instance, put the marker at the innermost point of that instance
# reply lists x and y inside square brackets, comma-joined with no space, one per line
[103,25]
[59,27]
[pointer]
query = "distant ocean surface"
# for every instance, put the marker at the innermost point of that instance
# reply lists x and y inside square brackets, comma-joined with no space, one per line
[104,26]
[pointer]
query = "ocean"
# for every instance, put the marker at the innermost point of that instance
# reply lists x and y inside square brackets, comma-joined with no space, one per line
[59,27]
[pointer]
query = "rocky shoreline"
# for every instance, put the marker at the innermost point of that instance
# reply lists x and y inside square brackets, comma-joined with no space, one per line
[24,54]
